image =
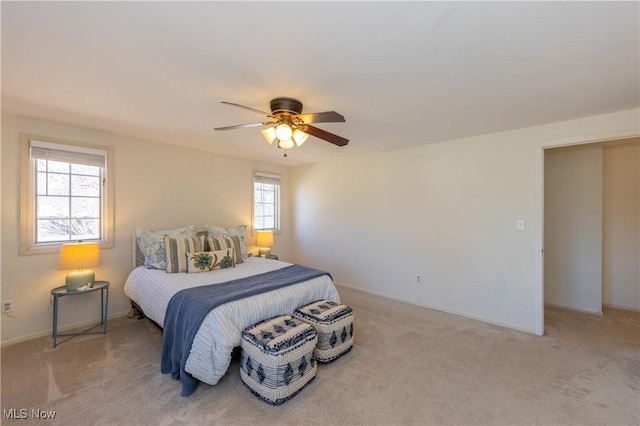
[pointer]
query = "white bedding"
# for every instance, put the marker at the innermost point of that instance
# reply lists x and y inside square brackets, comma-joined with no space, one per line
[221,330]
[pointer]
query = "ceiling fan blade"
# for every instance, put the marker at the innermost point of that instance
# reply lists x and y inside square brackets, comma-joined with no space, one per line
[321,117]
[323,134]
[246,107]
[240,126]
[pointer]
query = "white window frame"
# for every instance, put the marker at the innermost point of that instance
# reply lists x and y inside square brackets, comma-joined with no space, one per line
[28,219]
[263,177]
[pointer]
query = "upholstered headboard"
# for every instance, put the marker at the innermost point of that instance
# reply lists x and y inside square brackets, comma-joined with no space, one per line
[138,257]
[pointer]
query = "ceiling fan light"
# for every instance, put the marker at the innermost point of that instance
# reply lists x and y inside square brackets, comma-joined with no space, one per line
[299,137]
[286,144]
[269,134]
[283,132]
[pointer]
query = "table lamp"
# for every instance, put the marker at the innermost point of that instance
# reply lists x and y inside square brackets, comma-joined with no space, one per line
[264,240]
[79,256]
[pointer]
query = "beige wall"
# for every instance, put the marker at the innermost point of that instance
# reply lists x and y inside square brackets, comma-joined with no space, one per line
[158,186]
[621,240]
[573,227]
[444,211]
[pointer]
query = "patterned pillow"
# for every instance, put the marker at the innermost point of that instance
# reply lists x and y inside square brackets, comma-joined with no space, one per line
[232,242]
[177,249]
[152,245]
[205,261]
[239,231]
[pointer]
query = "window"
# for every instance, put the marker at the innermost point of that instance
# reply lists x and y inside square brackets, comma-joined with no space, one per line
[65,195]
[266,201]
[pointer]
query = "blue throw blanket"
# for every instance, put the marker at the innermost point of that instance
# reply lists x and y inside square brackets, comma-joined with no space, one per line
[188,308]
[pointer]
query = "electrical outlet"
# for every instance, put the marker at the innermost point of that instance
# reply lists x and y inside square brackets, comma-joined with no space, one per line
[7,307]
[418,278]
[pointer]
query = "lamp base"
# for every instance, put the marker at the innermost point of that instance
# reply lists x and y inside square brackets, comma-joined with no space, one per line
[264,252]
[80,279]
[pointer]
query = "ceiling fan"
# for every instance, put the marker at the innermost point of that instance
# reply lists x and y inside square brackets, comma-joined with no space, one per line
[289,126]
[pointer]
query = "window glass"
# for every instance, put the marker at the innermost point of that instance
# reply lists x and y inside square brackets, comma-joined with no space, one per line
[266,202]
[65,196]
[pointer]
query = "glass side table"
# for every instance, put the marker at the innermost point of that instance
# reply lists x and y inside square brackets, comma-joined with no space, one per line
[60,292]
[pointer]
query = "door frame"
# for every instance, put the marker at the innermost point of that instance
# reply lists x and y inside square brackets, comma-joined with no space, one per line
[539,208]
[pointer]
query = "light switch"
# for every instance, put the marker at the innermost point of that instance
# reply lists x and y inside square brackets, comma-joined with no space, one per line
[519,224]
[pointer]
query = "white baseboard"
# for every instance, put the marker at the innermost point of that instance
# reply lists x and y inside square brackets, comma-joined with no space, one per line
[437,308]
[571,308]
[623,308]
[66,328]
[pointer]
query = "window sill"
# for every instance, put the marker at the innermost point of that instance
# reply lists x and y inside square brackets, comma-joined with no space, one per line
[53,248]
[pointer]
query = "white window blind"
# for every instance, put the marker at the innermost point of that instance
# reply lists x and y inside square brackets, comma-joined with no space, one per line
[53,152]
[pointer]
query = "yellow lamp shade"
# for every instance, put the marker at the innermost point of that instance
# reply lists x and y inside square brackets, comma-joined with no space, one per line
[264,238]
[79,256]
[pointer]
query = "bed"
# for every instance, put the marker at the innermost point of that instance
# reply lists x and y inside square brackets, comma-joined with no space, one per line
[221,331]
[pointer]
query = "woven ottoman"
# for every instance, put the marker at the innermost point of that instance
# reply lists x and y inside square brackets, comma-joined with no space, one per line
[278,358]
[334,324]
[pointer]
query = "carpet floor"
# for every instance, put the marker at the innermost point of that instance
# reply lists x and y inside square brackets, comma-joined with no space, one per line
[409,366]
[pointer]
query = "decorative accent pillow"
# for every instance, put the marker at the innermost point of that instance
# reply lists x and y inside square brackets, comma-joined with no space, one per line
[177,249]
[152,244]
[232,242]
[205,261]
[239,231]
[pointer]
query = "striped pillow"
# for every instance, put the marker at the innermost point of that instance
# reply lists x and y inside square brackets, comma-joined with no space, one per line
[239,231]
[227,241]
[177,249]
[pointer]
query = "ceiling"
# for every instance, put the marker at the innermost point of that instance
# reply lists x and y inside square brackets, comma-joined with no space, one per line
[402,73]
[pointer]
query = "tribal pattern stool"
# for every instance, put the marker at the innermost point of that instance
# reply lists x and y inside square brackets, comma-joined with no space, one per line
[334,324]
[278,358]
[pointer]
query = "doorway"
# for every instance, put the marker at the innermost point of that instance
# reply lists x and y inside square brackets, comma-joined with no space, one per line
[594,294]
[573,228]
